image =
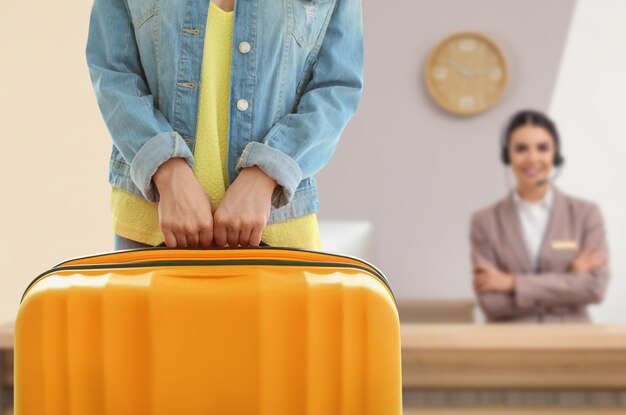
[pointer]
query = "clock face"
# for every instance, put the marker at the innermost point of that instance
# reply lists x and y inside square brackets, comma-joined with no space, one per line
[466,73]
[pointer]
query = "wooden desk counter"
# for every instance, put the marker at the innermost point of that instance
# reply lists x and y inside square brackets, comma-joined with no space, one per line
[514,356]
[6,335]
[6,367]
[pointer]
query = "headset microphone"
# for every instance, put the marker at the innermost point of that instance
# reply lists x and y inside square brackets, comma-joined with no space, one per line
[553,177]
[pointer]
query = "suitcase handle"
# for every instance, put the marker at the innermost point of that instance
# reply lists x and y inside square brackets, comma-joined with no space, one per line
[162,244]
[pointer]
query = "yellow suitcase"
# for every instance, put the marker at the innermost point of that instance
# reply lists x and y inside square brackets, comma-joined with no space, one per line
[270,331]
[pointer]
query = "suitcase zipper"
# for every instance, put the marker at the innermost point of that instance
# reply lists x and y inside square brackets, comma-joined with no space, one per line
[174,263]
[367,264]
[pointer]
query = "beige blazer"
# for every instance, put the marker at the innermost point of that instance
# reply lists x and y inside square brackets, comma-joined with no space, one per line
[551,293]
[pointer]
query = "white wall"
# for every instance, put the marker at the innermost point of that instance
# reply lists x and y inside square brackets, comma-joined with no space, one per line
[54,198]
[589,105]
[416,172]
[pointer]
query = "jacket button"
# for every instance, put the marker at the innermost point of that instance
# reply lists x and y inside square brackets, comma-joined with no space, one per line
[244,47]
[242,105]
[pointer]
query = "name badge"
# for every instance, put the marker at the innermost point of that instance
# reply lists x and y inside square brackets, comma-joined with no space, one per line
[564,245]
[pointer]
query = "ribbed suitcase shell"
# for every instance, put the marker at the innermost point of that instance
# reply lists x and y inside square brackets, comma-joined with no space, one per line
[162,331]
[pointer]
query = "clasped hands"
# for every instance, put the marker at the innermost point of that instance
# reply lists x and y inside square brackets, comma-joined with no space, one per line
[187,218]
[487,277]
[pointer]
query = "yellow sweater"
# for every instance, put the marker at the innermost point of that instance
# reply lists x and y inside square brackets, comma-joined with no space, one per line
[137,219]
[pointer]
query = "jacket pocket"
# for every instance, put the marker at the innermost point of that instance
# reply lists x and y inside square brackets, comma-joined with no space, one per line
[141,11]
[308,19]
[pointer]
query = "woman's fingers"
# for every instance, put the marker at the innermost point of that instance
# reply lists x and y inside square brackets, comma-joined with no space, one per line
[484,267]
[220,234]
[598,259]
[244,235]
[255,236]
[181,240]
[231,231]
[169,238]
[480,282]
[237,228]
[193,240]
[245,206]
[205,238]
[587,260]
[233,237]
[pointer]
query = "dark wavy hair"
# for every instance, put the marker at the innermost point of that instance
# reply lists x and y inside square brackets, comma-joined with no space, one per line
[535,118]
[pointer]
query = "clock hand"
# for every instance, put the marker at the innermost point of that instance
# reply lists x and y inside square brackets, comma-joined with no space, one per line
[466,73]
[481,72]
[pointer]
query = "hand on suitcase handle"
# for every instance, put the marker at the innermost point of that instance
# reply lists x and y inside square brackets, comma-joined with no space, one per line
[185,212]
[187,219]
[243,213]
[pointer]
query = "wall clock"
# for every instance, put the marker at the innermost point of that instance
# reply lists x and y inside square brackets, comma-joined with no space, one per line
[466,73]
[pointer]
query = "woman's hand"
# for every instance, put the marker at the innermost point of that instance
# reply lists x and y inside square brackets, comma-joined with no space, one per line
[587,260]
[243,213]
[185,213]
[489,278]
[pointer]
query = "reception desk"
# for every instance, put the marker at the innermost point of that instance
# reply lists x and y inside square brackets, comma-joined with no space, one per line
[6,368]
[514,369]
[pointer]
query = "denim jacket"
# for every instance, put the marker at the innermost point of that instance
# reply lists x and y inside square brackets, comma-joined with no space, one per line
[296,80]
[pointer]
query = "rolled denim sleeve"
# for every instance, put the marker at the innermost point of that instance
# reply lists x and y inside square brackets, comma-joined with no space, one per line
[301,143]
[141,133]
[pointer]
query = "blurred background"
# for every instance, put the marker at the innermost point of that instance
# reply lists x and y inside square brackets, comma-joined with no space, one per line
[411,170]
[407,174]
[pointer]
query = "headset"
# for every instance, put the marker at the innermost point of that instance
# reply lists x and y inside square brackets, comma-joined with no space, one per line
[523,118]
